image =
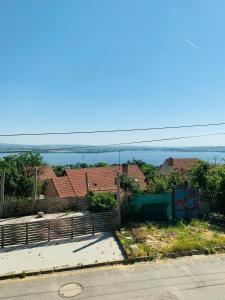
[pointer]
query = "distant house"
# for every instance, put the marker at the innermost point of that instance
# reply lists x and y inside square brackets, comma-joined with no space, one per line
[77,182]
[177,164]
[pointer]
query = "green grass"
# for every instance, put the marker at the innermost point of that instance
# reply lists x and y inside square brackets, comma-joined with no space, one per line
[159,239]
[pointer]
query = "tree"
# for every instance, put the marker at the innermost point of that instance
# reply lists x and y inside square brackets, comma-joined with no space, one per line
[150,171]
[158,185]
[210,179]
[101,164]
[59,170]
[177,179]
[130,184]
[19,173]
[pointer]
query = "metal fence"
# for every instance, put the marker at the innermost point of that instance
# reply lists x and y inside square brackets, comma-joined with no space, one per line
[57,229]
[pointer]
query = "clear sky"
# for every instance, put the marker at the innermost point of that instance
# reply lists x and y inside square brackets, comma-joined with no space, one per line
[103,64]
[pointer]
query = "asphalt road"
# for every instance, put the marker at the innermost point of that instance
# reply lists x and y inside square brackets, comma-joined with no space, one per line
[200,277]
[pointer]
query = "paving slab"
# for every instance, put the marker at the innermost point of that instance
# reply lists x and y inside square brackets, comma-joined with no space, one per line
[87,250]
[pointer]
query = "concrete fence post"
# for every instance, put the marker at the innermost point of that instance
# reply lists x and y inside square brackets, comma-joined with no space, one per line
[35,189]
[72,228]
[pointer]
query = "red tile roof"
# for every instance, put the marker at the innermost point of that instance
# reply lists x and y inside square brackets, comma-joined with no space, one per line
[45,172]
[73,183]
[182,163]
[63,187]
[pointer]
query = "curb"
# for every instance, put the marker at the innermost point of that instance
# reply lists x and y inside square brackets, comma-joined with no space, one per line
[129,260]
[123,251]
[173,255]
[57,270]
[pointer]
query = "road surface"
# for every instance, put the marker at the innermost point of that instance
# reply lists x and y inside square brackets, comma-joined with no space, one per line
[200,277]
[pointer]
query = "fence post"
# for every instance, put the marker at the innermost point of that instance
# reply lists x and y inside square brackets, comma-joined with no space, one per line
[118,199]
[72,228]
[3,236]
[49,229]
[93,225]
[35,189]
[27,239]
[2,193]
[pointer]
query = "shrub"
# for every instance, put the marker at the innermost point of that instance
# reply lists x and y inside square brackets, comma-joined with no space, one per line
[130,184]
[103,201]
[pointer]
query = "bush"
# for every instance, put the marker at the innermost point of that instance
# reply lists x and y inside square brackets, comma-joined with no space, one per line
[103,202]
[158,185]
[130,184]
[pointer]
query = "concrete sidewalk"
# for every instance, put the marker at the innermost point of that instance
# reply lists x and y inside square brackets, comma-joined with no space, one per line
[87,250]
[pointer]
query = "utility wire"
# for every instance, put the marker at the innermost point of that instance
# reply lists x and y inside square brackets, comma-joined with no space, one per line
[168,139]
[110,131]
[125,143]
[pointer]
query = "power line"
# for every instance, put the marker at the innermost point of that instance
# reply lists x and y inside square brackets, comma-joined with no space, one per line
[126,143]
[167,139]
[110,131]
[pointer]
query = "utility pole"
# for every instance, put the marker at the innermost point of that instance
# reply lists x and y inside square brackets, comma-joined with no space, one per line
[2,193]
[87,182]
[118,198]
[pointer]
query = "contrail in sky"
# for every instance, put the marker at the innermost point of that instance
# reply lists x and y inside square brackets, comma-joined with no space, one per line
[192,44]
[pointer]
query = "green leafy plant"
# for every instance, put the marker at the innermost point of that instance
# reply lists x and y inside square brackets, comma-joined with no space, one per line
[102,201]
[130,184]
[19,173]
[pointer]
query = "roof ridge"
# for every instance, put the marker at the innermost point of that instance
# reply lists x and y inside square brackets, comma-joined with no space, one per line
[64,177]
[71,184]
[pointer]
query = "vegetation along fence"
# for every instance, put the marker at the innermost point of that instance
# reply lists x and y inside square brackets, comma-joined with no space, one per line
[57,229]
[23,207]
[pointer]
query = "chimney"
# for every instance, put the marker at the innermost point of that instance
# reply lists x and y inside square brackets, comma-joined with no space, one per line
[170,161]
[125,169]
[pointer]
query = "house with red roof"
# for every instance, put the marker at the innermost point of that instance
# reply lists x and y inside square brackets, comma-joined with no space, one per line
[77,182]
[177,164]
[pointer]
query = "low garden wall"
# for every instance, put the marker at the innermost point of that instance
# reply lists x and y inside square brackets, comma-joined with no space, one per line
[23,207]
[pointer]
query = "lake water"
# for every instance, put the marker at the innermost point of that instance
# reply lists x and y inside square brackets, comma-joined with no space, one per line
[153,157]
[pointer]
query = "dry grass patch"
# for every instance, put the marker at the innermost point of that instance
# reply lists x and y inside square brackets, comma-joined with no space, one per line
[159,239]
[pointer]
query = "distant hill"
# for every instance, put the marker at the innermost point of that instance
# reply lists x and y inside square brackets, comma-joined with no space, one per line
[16,148]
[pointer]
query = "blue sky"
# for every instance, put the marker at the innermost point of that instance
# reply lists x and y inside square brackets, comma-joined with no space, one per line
[103,64]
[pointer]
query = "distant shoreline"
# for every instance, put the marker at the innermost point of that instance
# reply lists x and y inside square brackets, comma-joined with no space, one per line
[151,156]
[86,151]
